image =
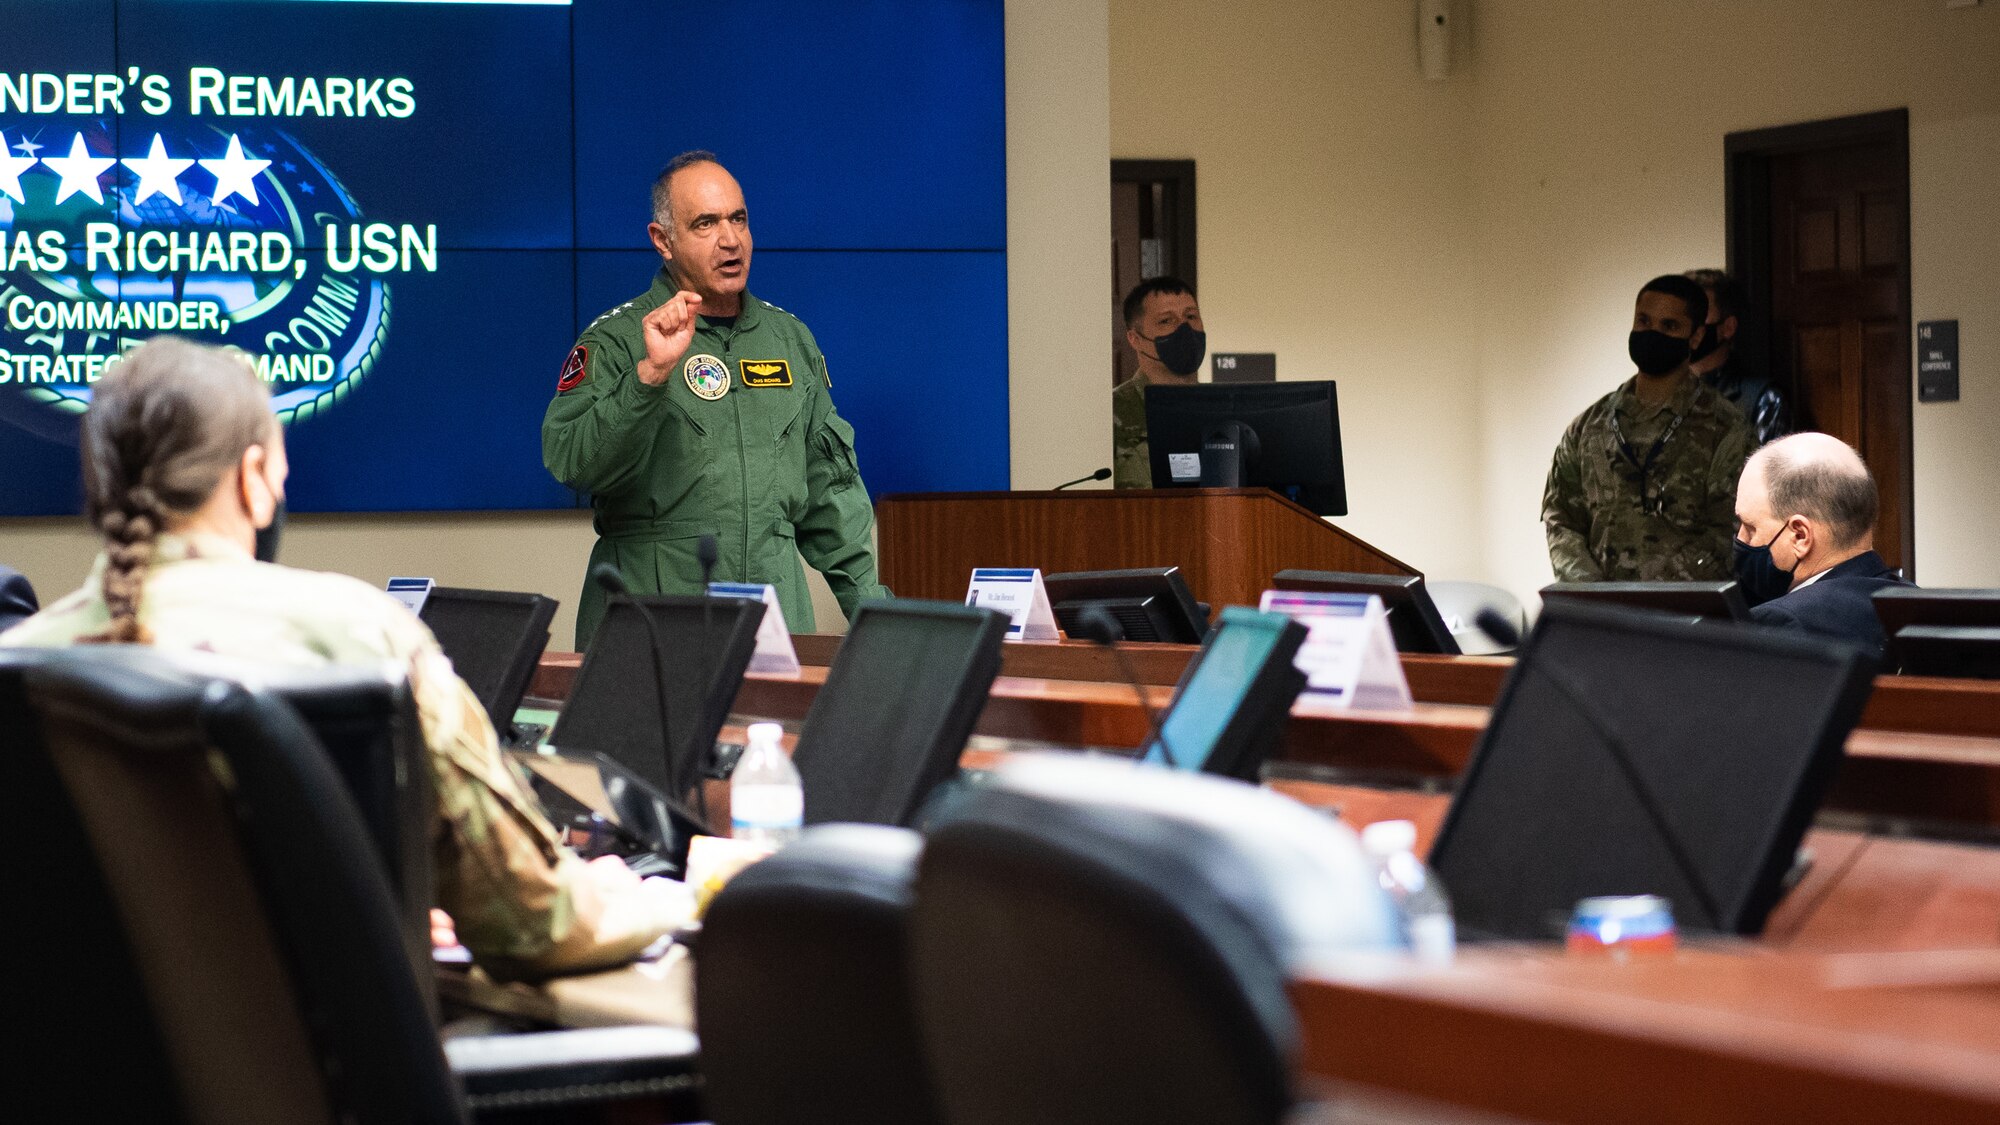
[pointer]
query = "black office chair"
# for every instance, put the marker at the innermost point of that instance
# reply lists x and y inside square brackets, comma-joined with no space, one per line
[1098,943]
[257,921]
[801,987]
[367,723]
[233,924]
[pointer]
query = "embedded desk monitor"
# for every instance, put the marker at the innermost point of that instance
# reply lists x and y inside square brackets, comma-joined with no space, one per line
[494,640]
[897,707]
[1413,618]
[1711,601]
[614,706]
[1232,702]
[1149,604]
[1280,436]
[1968,652]
[1634,754]
[1899,607]
[588,790]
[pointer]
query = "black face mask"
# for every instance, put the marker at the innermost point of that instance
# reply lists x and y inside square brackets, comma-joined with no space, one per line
[268,535]
[1757,573]
[1711,341]
[1182,349]
[1657,353]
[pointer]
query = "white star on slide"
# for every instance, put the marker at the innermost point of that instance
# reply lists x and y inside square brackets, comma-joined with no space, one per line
[11,168]
[235,174]
[79,171]
[158,173]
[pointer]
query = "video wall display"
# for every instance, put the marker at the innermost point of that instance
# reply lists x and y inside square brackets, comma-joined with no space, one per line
[404,212]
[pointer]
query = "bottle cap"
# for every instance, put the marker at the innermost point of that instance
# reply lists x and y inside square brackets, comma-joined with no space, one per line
[766,732]
[1387,837]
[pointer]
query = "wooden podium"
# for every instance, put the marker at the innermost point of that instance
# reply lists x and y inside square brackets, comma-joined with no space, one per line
[1228,542]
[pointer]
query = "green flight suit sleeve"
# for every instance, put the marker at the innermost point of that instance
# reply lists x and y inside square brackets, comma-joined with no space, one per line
[598,434]
[1565,516]
[837,534]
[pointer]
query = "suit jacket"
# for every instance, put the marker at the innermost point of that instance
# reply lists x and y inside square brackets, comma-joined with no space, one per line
[1837,605]
[17,598]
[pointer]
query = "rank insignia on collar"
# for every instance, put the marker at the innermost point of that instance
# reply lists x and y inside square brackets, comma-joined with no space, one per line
[765,372]
[573,369]
[707,376]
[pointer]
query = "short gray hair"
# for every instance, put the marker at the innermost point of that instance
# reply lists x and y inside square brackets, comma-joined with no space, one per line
[1834,491]
[663,203]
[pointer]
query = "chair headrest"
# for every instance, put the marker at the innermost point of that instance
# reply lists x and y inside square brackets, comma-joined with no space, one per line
[1300,876]
[859,861]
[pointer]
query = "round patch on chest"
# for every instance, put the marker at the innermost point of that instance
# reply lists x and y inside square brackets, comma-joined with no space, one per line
[707,376]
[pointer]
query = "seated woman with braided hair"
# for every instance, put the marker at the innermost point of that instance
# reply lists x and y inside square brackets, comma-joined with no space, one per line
[184,475]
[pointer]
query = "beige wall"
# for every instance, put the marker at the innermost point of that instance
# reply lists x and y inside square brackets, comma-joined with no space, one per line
[1335,218]
[1599,165]
[1462,255]
[1058,238]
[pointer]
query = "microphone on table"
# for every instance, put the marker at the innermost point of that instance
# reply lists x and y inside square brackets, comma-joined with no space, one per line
[706,552]
[1503,632]
[1497,628]
[1096,624]
[1101,474]
[607,577]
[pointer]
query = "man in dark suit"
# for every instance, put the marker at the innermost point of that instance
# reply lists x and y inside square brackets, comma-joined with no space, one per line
[17,598]
[1805,539]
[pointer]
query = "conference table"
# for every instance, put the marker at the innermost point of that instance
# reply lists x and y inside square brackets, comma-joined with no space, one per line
[1874,993]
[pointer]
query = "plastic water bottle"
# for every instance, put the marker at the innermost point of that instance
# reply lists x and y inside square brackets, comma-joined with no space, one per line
[1423,910]
[767,802]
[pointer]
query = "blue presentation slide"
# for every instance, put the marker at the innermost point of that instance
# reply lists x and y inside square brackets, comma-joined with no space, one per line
[402,213]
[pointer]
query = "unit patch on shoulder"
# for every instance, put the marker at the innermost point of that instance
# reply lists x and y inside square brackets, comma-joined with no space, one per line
[765,372]
[573,369]
[707,376]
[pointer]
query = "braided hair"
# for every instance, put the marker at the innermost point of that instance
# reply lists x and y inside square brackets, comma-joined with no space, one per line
[164,428]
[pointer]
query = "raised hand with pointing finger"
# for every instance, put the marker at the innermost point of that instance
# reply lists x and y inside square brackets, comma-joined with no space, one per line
[667,331]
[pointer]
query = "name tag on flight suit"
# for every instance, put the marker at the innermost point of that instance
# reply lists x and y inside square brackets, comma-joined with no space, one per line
[765,372]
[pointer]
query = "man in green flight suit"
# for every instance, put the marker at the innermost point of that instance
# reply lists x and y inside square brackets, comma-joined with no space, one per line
[696,409]
[1639,489]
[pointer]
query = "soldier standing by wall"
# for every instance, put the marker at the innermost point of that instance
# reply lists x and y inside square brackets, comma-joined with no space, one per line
[1643,484]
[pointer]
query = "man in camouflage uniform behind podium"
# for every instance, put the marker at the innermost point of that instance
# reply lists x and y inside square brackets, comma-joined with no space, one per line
[1643,484]
[1163,328]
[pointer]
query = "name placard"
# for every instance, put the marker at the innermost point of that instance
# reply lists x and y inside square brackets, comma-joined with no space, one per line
[1349,657]
[1021,596]
[774,654]
[412,592]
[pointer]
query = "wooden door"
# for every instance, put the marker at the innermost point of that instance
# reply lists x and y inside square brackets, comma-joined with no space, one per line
[1152,233]
[1837,323]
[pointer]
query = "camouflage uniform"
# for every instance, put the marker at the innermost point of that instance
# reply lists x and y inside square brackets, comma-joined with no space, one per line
[523,903]
[1131,466]
[1599,525]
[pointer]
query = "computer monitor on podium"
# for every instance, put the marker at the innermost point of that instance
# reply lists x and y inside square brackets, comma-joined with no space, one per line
[1280,436]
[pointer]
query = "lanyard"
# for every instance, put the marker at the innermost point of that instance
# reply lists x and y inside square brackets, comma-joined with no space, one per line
[1648,503]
